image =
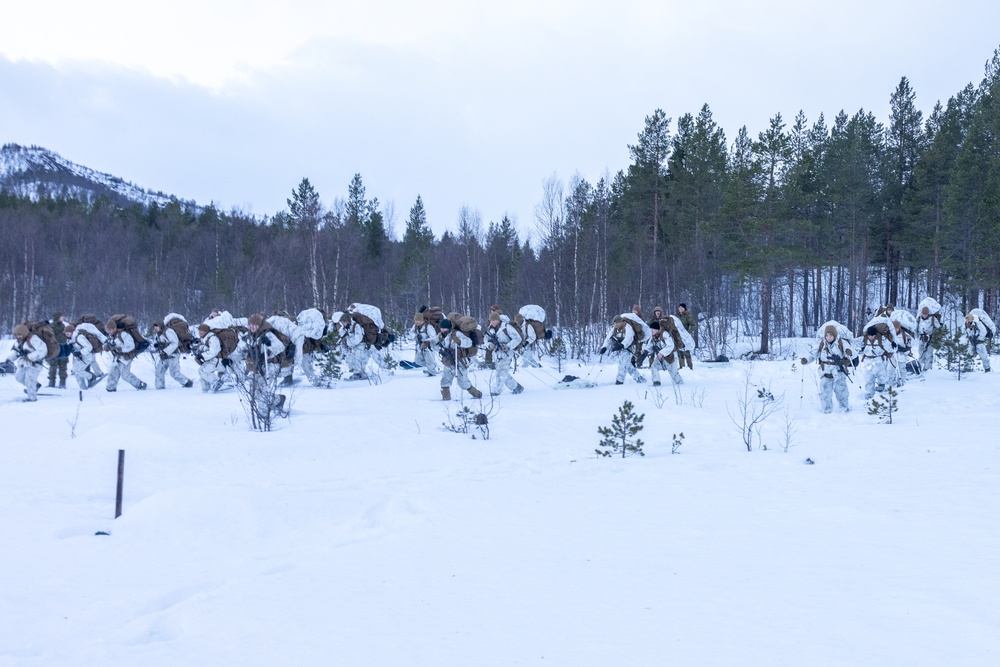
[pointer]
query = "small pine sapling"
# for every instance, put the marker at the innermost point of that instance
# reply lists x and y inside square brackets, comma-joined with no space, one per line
[557,348]
[620,436]
[328,360]
[960,359]
[884,405]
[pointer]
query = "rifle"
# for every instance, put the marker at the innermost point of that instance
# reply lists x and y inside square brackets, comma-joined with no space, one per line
[839,362]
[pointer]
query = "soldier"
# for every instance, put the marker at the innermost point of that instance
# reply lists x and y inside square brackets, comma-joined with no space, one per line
[877,353]
[904,343]
[209,357]
[658,314]
[664,354]
[87,341]
[621,342]
[123,350]
[59,329]
[424,337]
[976,333]
[502,338]
[453,347]
[265,351]
[28,354]
[927,323]
[168,357]
[834,358]
[357,351]
[691,326]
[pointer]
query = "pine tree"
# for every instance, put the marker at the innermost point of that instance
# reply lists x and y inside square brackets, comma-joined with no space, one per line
[620,436]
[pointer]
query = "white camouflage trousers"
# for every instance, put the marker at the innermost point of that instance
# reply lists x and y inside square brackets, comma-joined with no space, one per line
[984,356]
[122,368]
[835,385]
[528,358]
[209,376]
[85,369]
[661,365]
[27,374]
[457,371]
[172,365]
[426,359]
[879,373]
[625,366]
[501,374]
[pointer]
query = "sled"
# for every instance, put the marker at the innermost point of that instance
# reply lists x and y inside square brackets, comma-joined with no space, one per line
[409,365]
[573,382]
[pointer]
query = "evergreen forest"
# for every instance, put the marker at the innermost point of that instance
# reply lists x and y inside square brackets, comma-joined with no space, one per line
[808,220]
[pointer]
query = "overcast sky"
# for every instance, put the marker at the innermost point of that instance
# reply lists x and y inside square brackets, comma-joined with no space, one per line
[461,102]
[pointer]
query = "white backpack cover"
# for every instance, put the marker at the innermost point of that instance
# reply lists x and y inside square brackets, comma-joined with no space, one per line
[842,330]
[985,319]
[532,312]
[685,334]
[647,333]
[932,306]
[905,319]
[284,325]
[369,311]
[311,322]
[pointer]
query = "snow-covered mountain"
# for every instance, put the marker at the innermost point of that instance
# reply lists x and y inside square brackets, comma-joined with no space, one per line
[33,171]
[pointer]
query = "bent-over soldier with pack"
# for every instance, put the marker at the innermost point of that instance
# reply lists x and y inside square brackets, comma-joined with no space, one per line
[28,355]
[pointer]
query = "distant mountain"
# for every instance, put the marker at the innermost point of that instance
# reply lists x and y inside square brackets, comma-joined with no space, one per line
[35,172]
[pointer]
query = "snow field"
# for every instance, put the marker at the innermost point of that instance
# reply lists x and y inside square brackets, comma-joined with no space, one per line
[360,533]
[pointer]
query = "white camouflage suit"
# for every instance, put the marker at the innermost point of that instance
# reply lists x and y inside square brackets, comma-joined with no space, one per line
[926,326]
[833,356]
[28,355]
[424,337]
[502,338]
[621,343]
[168,359]
[86,369]
[877,353]
[123,351]
[530,346]
[975,336]
[664,357]
[209,351]
[352,338]
[455,365]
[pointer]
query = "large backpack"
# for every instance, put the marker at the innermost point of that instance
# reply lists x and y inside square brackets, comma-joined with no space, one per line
[229,338]
[368,326]
[991,328]
[128,324]
[668,325]
[183,331]
[45,331]
[96,341]
[287,357]
[433,316]
[470,327]
[637,329]
[90,318]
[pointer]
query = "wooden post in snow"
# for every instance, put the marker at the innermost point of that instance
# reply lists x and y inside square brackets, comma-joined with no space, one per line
[121,478]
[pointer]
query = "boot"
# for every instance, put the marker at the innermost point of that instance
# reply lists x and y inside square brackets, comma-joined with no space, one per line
[475,392]
[287,381]
[52,384]
[141,385]
[445,393]
[517,390]
[619,382]
[62,384]
[188,384]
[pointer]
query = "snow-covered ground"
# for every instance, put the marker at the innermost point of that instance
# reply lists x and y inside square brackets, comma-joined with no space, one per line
[361,533]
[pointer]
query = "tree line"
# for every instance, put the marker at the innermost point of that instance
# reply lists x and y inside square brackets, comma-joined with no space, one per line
[810,220]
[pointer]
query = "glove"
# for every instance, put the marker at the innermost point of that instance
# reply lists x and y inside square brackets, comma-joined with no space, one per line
[226,363]
[163,356]
[200,359]
[617,347]
[602,350]
[159,346]
[78,355]
[803,361]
